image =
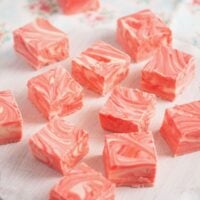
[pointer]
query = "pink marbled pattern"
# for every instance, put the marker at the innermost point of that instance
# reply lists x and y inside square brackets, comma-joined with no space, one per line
[100,67]
[11,123]
[55,93]
[130,159]
[142,33]
[83,183]
[127,110]
[181,128]
[60,145]
[40,43]
[168,73]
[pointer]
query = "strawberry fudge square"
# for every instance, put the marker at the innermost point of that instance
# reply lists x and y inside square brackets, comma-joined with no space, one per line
[70,7]
[168,73]
[181,128]
[130,159]
[11,122]
[100,67]
[60,145]
[127,110]
[83,183]
[55,93]
[40,43]
[141,33]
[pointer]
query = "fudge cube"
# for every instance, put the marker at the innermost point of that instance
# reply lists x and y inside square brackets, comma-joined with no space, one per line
[77,6]
[100,67]
[196,2]
[84,183]
[181,128]
[127,110]
[40,43]
[130,159]
[55,93]
[60,145]
[141,33]
[168,73]
[10,119]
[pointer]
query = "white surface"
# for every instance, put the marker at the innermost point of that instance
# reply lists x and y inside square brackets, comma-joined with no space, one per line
[22,177]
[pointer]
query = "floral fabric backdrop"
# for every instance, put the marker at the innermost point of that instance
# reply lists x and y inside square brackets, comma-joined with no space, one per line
[182,15]
[21,176]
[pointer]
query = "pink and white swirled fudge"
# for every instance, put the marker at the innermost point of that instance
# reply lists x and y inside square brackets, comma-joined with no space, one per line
[83,183]
[40,43]
[196,2]
[168,73]
[101,67]
[10,119]
[141,33]
[181,128]
[130,159]
[60,145]
[55,93]
[127,110]
[77,6]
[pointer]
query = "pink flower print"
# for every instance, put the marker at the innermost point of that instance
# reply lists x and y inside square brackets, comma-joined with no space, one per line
[4,34]
[43,7]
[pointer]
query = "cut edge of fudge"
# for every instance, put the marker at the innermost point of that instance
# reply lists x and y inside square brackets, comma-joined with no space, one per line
[93,63]
[12,126]
[111,173]
[127,124]
[175,83]
[178,142]
[114,122]
[164,133]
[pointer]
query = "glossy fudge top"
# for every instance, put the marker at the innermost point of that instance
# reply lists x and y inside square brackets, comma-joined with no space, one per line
[59,137]
[55,85]
[145,25]
[186,118]
[128,149]
[128,103]
[169,62]
[9,111]
[103,59]
[40,34]
[82,181]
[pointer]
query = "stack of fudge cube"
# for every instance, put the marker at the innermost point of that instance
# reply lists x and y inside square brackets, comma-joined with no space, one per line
[129,153]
